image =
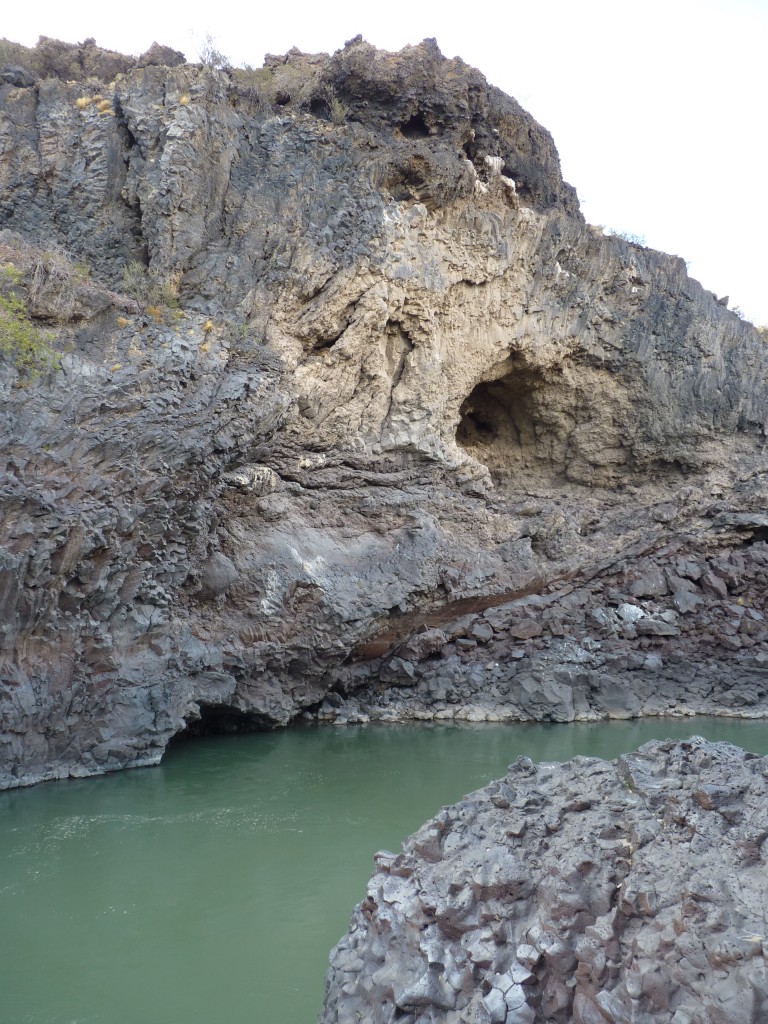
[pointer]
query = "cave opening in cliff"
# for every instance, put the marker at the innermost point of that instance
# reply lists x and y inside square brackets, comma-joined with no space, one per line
[505,424]
[415,127]
[221,720]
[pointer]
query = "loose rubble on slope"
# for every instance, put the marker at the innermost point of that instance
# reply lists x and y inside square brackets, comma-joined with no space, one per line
[353,417]
[681,632]
[590,892]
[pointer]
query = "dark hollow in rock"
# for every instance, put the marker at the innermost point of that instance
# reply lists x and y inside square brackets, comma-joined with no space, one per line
[503,425]
[219,720]
[415,127]
[548,425]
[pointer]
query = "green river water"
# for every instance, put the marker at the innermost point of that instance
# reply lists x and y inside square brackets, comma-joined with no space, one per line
[211,889]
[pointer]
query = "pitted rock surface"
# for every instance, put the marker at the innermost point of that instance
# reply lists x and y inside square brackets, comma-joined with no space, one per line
[388,384]
[590,892]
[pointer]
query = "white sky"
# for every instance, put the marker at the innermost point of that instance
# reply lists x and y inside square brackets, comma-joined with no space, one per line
[657,107]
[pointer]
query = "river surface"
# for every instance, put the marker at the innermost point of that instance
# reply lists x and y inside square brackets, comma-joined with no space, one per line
[211,889]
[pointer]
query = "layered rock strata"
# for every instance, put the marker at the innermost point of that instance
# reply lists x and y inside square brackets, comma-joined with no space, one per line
[676,630]
[355,416]
[589,892]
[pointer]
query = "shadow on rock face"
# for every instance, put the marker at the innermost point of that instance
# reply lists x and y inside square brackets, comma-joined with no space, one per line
[218,720]
[502,425]
[547,426]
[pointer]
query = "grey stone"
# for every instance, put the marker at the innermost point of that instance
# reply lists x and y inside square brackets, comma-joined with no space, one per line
[656,627]
[689,569]
[630,612]
[258,480]
[19,77]
[398,672]
[545,699]
[730,643]
[685,601]
[481,632]
[713,584]
[652,584]
[217,576]
[426,643]
[597,910]
[525,629]
[160,56]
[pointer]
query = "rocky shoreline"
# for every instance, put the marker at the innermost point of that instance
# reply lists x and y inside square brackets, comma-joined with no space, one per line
[321,401]
[349,415]
[674,634]
[589,892]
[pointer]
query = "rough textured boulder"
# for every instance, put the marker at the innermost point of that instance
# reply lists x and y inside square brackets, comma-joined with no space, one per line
[590,892]
[342,364]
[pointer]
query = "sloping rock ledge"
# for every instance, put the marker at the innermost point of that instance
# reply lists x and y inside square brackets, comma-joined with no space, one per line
[591,892]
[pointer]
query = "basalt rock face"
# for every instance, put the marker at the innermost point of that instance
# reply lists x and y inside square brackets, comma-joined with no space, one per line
[381,418]
[590,892]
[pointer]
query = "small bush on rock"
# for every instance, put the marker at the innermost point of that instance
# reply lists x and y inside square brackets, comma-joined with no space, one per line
[26,347]
[211,56]
[336,109]
[148,287]
[256,85]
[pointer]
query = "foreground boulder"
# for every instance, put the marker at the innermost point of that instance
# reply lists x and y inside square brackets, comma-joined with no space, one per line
[590,892]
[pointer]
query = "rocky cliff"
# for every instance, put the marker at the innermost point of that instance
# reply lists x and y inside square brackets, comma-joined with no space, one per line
[590,892]
[352,417]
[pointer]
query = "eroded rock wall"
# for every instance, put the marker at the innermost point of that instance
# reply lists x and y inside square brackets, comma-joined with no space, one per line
[381,376]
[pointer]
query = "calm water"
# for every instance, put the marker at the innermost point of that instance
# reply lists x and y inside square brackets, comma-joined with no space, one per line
[211,889]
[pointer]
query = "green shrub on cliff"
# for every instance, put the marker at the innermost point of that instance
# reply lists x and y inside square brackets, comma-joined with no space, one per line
[255,85]
[336,109]
[148,287]
[26,347]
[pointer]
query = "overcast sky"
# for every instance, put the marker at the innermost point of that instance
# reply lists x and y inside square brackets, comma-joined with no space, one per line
[658,108]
